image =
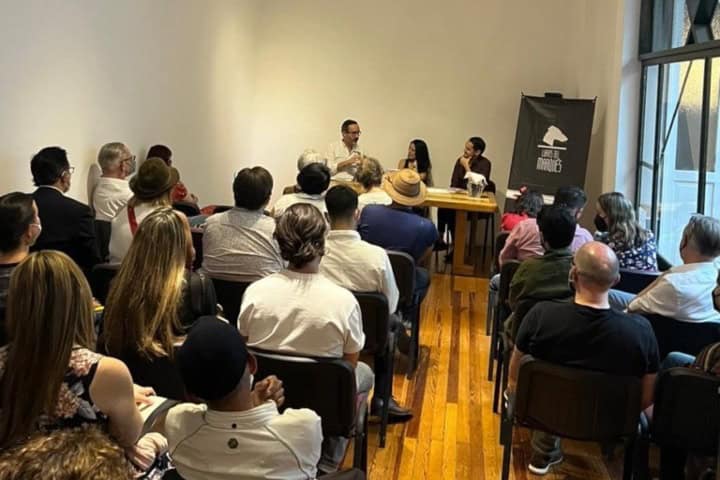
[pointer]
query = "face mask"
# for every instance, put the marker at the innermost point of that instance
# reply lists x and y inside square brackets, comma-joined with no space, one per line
[39,231]
[600,223]
[132,166]
[252,381]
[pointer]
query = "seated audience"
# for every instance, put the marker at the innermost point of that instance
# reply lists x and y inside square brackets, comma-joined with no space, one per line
[617,227]
[67,224]
[313,180]
[235,431]
[142,321]
[360,267]
[586,334]
[19,228]
[179,192]
[524,240]
[306,158]
[315,317]
[67,455]
[151,187]
[343,156]
[238,244]
[418,159]
[527,205]
[51,378]
[545,277]
[112,191]
[683,293]
[396,227]
[370,176]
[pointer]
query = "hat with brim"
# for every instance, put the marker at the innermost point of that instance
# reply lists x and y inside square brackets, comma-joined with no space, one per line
[405,187]
[153,179]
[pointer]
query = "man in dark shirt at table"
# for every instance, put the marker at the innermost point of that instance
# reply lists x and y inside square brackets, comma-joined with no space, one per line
[586,334]
[396,227]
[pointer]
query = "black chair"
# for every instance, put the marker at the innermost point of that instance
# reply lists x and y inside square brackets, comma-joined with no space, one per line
[101,277]
[379,342]
[502,309]
[102,236]
[686,417]
[188,208]
[494,269]
[634,281]
[663,264]
[197,239]
[687,337]
[573,403]
[403,266]
[229,296]
[326,386]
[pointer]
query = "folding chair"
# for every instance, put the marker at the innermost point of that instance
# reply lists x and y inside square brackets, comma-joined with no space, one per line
[494,269]
[326,386]
[379,342]
[188,208]
[675,336]
[573,403]
[403,266]
[634,281]
[229,296]
[502,311]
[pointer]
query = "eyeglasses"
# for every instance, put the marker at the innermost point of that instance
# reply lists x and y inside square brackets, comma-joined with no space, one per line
[129,159]
[70,170]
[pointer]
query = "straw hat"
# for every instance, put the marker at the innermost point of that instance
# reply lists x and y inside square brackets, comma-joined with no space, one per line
[405,187]
[153,179]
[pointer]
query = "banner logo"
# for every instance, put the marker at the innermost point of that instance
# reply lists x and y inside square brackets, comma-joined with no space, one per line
[548,159]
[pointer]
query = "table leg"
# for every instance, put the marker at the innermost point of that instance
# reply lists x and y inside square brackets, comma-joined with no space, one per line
[459,265]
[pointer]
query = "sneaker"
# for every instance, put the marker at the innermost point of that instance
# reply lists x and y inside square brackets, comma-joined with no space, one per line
[540,464]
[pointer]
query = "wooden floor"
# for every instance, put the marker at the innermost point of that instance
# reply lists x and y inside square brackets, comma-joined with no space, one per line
[454,433]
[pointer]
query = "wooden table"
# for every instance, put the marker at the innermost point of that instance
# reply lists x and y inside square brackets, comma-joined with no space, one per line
[462,204]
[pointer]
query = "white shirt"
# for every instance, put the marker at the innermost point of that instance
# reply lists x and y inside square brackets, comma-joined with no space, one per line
[238,245]
[683,293]
[109,196]
[120,235]
[251,445]
[339,152]
[359,266]
[289,199]
[378,197]
[301,313]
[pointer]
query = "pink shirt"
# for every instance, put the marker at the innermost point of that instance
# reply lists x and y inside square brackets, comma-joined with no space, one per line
[524,241]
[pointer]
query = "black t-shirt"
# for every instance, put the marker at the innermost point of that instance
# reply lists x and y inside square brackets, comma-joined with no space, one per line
[603,340]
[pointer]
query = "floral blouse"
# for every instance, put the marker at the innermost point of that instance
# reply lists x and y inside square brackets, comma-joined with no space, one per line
[632,257]
[74,407]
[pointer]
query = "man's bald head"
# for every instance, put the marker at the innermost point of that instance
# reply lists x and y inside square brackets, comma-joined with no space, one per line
[597,266]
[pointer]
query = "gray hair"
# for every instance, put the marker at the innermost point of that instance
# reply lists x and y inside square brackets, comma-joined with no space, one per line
[703,234]
[110,154]
[310,156]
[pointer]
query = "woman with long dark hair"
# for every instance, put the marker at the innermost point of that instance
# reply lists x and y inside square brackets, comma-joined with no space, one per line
[418,159]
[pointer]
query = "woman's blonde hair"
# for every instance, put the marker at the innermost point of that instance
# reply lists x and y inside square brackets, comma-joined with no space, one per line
[49,311]
[142,311]
[621,219]
[370,173]
[66,455]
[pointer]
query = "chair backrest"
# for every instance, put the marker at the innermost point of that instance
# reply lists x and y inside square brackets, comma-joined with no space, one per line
[634,281]
[686,413]
[500,240]
[229,294]
[575,403]
[663,264]
[325,385]
[687,337]
[403,266]
[102,237]
[376,320]
[188,208]
[100,279]
[197,239]
[507,272]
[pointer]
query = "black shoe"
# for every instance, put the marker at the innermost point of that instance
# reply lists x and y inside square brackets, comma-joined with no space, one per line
[449,257]
[396,414]
[403,345]
[540,464]
[440,245]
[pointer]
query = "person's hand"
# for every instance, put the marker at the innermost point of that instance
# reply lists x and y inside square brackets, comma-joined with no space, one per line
[465,162]
[142,395]
[146,450]
[270,388]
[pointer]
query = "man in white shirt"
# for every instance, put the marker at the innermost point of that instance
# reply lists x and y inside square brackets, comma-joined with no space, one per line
[344,156]
[299,311]
[112,190]
[313,180]
[361,267]
[236,432]
[683,293]
[238,244]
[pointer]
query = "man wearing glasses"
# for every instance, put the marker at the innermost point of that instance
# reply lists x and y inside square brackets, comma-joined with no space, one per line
[112,191]
[67,223]
[344,156]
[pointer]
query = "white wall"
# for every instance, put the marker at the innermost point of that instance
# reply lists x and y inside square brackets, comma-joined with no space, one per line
[84,72]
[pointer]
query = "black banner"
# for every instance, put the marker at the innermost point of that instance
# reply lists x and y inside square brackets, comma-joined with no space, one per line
[551,143]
